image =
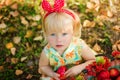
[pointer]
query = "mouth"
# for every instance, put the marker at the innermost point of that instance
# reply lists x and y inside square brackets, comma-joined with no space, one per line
[59,46]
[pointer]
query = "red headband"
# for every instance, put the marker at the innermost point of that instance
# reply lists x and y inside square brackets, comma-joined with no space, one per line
[56,8]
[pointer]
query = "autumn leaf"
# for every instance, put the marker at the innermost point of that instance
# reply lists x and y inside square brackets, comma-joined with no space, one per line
[1,16]
[16,39]
[29,33]
[12,29]
[88,24]
[96,47]
[116,46]
[13,50]
[14,60]
[23,58]
[18,72]
[14,14]
[36,18]
[24,21]
[116,28]
[38,38]
[1,68]
[8,2]
[3,25]
[109,14]
[29,76]
[9,45]
[14,6]
[90,5]
[39,26]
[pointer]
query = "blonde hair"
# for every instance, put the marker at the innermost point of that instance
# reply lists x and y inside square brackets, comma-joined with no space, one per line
[57,22]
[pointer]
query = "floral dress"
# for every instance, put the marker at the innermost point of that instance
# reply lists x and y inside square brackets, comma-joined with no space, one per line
[71,56]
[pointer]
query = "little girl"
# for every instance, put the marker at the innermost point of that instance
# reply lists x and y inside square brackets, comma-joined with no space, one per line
[62,32]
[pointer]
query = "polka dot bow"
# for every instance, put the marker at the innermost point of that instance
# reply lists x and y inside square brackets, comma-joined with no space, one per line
[57,7]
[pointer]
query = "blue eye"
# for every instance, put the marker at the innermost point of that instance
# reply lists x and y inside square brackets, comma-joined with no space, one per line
[64,34]
[53,34]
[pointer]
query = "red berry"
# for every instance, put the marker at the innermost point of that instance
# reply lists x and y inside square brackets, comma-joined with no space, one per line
[61,70]
[103,75]
[114,72]
[118,78]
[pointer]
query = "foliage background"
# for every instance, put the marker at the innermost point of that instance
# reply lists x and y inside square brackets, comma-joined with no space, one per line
[21,36]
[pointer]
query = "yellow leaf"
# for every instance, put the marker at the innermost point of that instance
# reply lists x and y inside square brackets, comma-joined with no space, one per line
[117,44]
[29,76]
[38,38]
[3,25]
[14,60]
[24,21]
[90,5]
[12,29]
[86,23]
[92,24]
[114,47]
[39,26]
[37,18]
[13,50]
[116,28]
[14,6]
[1,68]
[1,16]
[14,14]
[23,59]
[9,45]
[109,14]
[16,39]
[18,72]
[96,47]
[8,2]
[118,47]
[29,33]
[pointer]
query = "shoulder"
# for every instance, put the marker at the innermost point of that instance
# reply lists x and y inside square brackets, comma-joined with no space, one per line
[46,50]
[79,42]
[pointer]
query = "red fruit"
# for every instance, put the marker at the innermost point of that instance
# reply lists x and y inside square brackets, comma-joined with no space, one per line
[114,72]
[61,70]
[103,75]
[72,78]
[118,78]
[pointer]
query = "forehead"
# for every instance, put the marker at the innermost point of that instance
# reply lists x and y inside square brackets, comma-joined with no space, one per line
[58,23]
[68,28]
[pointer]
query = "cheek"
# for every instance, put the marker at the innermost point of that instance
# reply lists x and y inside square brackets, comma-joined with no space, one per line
[68,39]
[50,40]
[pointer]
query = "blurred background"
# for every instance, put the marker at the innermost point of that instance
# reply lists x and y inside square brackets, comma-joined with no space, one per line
[21,35]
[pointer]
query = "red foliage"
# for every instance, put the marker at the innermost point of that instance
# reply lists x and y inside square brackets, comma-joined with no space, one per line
[95,68]
[115,53]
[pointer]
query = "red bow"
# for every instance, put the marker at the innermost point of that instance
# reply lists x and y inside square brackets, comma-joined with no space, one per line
[56,8]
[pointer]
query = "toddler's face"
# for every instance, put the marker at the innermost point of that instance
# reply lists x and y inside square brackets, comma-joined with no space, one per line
[61,40]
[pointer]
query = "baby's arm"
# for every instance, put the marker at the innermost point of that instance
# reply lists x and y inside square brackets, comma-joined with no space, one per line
[88,55]
[44,67]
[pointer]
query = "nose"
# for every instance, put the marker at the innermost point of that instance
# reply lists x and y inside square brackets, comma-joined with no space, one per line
[59,38]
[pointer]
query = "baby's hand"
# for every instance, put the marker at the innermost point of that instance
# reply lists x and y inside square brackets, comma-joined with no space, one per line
[56,76]
[73,71]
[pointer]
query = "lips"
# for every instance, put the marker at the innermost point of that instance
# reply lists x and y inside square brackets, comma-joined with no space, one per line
[59,46]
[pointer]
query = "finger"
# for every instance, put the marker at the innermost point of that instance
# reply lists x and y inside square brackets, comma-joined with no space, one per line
[56,76]
[68,73]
